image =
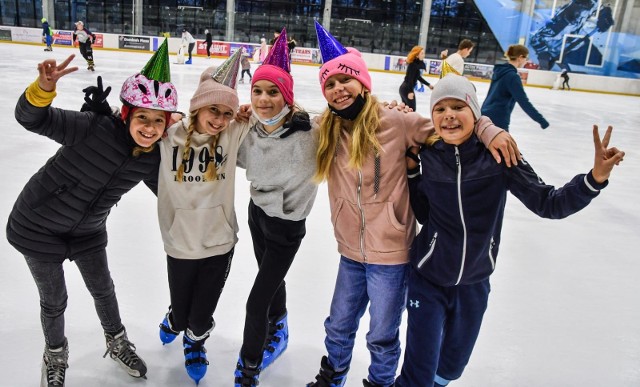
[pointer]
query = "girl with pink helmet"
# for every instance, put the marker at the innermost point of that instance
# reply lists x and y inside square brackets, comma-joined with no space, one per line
[62,211]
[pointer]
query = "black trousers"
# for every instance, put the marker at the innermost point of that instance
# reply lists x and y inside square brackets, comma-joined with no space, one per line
[190,49]
[86,51]
[195,286]
[404,94]
[275,243]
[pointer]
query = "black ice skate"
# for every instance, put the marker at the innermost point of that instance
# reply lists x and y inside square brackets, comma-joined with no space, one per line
[121,350]
[54,366]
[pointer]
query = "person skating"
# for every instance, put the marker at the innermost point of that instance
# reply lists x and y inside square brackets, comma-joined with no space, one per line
[460,201]
[506,89]
[454,63]
[62,211]
[209,41]
[84,38]
[412,76]
[188,41]
[196,210]
[47,34]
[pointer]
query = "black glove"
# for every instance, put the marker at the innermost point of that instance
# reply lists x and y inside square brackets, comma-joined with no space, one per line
[95,99]
[299,121]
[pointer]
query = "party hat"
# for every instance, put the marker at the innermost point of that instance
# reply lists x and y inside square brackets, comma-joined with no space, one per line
[279,53]
[157,68]
[227,73]
[330,48]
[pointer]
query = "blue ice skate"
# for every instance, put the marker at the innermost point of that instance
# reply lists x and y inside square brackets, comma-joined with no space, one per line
[167,333]
[246,375]
[277,341]
[195,358]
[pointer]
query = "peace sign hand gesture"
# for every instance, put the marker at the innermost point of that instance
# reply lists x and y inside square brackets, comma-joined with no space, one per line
[50,72]
[605,158]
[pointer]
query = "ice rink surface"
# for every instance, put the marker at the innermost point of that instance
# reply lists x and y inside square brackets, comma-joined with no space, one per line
[564,308]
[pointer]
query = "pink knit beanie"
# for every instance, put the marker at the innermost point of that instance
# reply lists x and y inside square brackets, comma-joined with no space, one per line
[210,92]
[350,64]
[282,79]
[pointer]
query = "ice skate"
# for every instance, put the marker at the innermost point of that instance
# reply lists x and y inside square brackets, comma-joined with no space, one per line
[54,366]
[328,377]
[91,68]
[167,334]
[121,350]
[188,61]
[195,358]
[246,374]
[277,341]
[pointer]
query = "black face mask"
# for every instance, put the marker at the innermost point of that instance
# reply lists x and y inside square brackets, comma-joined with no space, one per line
[351,112]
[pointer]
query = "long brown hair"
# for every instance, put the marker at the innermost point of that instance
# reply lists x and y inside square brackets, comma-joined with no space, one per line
[363,140]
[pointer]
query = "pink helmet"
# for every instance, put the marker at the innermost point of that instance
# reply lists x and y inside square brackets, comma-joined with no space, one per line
[139,91]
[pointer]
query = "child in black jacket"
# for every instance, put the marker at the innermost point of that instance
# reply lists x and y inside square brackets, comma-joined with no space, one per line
[62,211]
[460,201]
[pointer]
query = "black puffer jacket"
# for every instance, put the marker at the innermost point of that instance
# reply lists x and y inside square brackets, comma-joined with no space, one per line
[62,211]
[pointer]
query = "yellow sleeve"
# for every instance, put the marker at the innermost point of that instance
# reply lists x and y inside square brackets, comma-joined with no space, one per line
[38,97]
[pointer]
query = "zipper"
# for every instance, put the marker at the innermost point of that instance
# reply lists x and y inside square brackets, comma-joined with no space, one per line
[464,226]
[432,246]
[491,259]
[362,223]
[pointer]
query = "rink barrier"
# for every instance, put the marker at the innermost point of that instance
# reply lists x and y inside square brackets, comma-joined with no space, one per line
[311,56]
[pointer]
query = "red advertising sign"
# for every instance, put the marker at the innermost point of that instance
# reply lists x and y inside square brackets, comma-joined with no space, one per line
[98,41]
[217,48]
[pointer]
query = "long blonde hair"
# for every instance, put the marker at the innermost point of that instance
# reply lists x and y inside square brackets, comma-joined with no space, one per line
[210,172]
[363,139]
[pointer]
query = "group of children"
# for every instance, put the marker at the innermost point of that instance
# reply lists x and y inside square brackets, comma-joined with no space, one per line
[361,149]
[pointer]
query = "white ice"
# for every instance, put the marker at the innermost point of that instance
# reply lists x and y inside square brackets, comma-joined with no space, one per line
[564,309]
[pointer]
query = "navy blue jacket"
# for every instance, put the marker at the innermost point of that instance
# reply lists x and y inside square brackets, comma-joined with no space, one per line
[460,199]
[62,210]
[504,91]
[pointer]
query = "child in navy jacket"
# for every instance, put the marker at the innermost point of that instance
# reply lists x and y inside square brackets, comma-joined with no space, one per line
[460,201]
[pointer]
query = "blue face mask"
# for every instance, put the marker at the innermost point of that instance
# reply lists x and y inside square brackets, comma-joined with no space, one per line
[350,112]
[275,119]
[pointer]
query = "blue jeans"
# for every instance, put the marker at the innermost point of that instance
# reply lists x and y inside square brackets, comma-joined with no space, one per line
[443,325]
[384,288]
[49,277]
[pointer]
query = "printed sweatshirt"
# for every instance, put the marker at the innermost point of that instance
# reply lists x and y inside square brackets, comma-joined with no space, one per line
[197,217]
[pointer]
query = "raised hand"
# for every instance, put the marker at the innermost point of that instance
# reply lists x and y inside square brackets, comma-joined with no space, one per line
[49,72]
[95,99]
[605,158]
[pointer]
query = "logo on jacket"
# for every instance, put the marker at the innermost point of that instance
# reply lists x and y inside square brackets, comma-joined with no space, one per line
[414,304]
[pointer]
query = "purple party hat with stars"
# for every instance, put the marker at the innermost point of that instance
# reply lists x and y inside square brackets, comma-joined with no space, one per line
[330,48]
[227,73]
[279,53]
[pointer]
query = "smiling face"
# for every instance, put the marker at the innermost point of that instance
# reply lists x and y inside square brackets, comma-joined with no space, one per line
[213,119]
[146,126]
[266,99]
[453,120]
[341,90]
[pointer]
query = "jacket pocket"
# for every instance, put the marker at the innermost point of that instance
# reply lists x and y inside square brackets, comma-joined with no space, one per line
[201,228]
[346,224]
[432,247]
[383,232]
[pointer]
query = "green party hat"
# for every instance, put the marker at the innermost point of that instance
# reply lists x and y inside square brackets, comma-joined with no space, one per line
[227,73]
[157,68]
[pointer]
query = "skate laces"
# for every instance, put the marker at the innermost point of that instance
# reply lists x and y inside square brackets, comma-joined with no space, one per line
[122,348]
[56,365]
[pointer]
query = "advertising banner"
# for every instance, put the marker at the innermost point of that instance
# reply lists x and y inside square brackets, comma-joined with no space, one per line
[26,35]
[134,42]
[305,55]
[98,41]
[64,38]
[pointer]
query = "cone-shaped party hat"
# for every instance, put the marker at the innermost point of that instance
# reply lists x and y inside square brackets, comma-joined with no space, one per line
[330,48]
[227,73]
[279,53]
[157,68]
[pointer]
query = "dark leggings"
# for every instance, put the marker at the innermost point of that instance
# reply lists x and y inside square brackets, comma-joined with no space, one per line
[404,94]
[195,286]
[275,243]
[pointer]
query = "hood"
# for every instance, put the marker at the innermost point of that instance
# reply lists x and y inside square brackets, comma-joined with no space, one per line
[501,70]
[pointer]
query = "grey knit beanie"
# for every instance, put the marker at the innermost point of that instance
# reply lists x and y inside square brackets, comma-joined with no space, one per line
[458,87]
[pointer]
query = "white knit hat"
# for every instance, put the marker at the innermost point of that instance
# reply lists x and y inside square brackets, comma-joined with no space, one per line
[457,87]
